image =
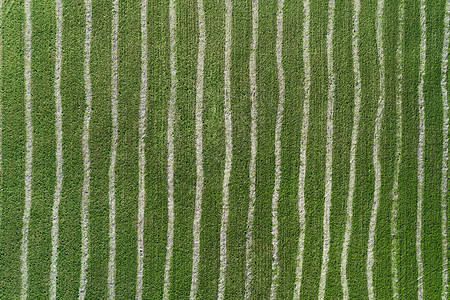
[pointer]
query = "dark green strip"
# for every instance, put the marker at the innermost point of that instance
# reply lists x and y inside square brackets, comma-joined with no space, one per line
[185,170]
[239,181]
[44,145]
[13,150]
[100,145]
[289,228]
[73,105]
[155,235]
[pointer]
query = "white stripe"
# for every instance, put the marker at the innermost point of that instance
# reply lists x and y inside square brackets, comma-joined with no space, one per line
[29,151]
[278,126]
[170,148]
[376,159]
[304,142]
[199,150]
[115,135]
[329,154]
[59,154]
[249,253]
[398,152]
[445,151]
[86,155]
[142,129]
[356,117]
[228,152]
[420,151]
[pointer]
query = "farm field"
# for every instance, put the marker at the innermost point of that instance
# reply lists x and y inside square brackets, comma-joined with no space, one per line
[224,149]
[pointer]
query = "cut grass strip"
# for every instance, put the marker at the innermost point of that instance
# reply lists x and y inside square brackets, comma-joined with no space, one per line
[199,150]
[59,151]
[141,151]
[249,251]
[398,152]
[29,151]
[278,146]
[420,150]
[376,147]
[445,150]
[228,151]
[303,147]
[170,147]
[86,152]
[355,130]
[329,152]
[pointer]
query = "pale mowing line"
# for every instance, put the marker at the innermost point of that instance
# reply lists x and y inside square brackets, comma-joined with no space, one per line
[249,253]
[420,150]
[398,152]
[29,151]
[352,177]
[228,152]
[59,152]
[445,151]
[278,127]
[142,129]
[170,148]
[329,154]
[199,150]
[115,136]
[304,142]
[86,154]
[376,147]
[1,129]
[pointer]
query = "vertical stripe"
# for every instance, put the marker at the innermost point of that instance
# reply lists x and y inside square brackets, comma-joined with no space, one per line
[59,154]
[249,253]
[29,151]
[303,144]
[420,151]
[356,117]
[86,154]
[398,152]
[170,148]
[445,151]
[228,152]
[329,152]
[278,126]
[199,150]
[115,135]
[376,148]
[142,129]
[1,98]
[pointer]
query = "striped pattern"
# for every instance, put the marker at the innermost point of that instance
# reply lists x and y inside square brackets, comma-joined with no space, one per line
[209,263]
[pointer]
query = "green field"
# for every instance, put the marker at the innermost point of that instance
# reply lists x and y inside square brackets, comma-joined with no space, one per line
[224,149]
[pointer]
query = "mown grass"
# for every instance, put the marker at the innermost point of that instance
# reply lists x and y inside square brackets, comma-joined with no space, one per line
[315,155]
[127,168]
[185,162]
[213,149]
[288,214]
[73,106]
[43,169]
[100,147]
[432,233]
[343,123]
[241,120]
[13,150]
[408,169]
[155,234]
[265,159]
